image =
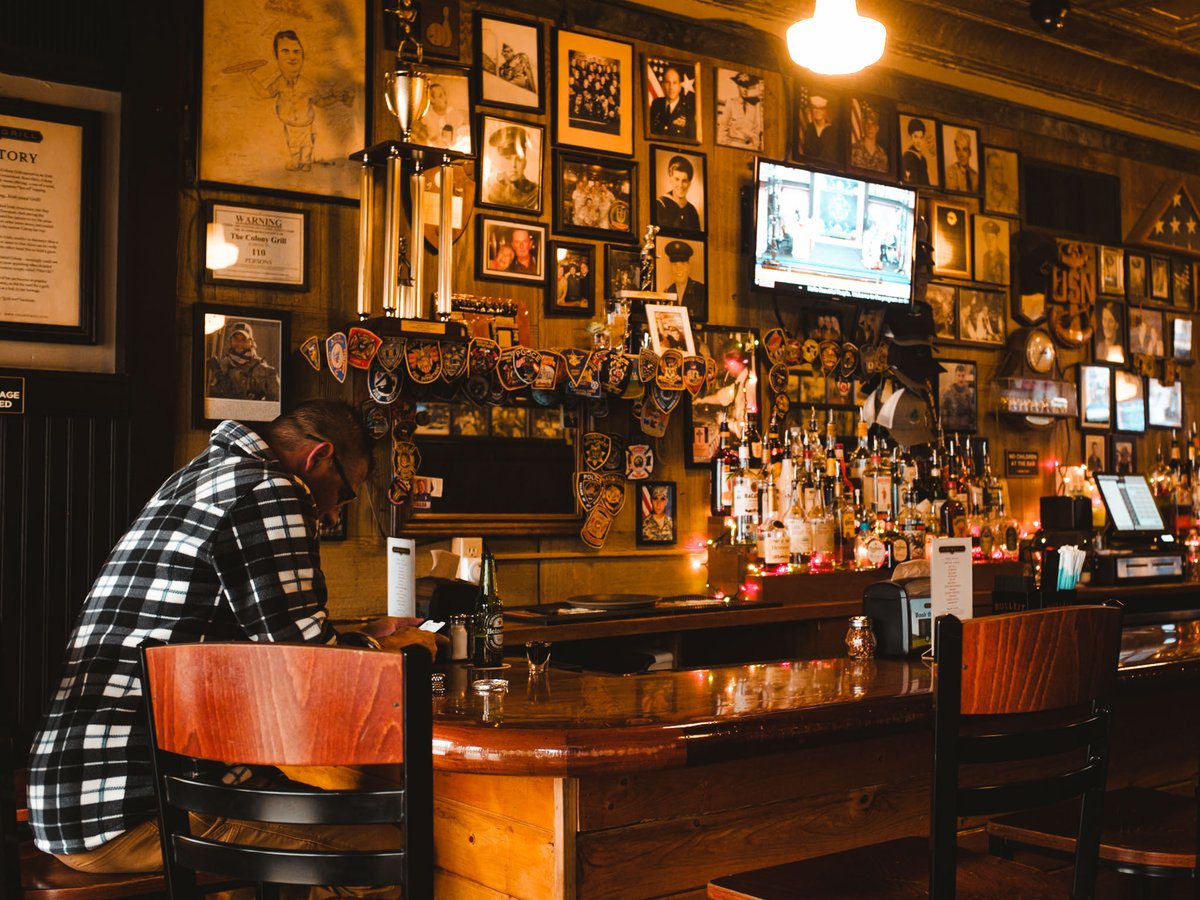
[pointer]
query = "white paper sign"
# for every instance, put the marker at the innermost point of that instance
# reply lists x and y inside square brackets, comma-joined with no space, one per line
[402,575]
[951,588]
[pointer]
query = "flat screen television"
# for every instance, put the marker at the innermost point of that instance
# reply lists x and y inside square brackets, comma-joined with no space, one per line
[833,235]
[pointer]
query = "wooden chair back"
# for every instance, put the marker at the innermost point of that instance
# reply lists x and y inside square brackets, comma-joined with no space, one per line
[298,705]
[995,675]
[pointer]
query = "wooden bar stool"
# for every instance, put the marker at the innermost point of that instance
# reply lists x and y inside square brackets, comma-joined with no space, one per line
[1010,688]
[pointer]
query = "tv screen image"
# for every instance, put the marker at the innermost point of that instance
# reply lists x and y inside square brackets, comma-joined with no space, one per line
[833,235]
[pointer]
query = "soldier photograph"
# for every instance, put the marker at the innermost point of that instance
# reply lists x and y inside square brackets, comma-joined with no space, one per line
[656,513]
[512,165]
[241,367]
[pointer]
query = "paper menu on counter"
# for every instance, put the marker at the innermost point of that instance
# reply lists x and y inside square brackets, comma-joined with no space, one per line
[950,579]
[401,577]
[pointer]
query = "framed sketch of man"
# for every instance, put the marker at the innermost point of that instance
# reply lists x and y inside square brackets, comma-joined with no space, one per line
[818,125]
[958,405]
[741,97]
[673,105]
[511,169]
[509,57]
[238,361]
[1001,175]
[919,159]
[593,92]
[960,158]
[992,250]
[680,188]
[680,270]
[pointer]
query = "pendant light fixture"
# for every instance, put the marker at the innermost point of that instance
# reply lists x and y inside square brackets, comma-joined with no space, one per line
[836,40]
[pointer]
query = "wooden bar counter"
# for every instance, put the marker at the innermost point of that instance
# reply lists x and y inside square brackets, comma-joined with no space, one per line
[591,785]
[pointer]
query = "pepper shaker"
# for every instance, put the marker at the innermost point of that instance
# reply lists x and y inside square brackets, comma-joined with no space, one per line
[860,639]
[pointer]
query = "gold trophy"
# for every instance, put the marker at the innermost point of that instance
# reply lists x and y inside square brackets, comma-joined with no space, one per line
[406,90]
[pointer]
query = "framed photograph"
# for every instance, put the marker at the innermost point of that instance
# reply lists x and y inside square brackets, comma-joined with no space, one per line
[1182,290]
[680,189]
[741,97]
[1137,282]
[1112,271]
[547,424]
[271,244]
[1164,404]
[510,421]
[868,329]
[510,250]
[670,328]
[238,355]
[981,317]
[992,247]
[673,107]
[509,61]
[919,161]
[958,396]
[1002,181]
[1160,278]
[284,97]
[1129,395]
[1110,333]
[468,420]
[1095,452]
[1095,398]
[447,120]
[436,417]
[732,350]
[656,512]
[818,125]
[49,288]
[593,92]
[680,269]
[1124,455]
[511,166]
[960,159]
[1181,338]
[942,298]
[951,240]
[622,269]
[1146,332]
[572,287]
[595,196]
[872,136]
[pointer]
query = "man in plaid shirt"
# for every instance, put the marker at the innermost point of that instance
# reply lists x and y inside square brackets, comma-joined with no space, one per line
[226,549]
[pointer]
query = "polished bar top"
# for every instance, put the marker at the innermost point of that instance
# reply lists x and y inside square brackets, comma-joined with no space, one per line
[572,723]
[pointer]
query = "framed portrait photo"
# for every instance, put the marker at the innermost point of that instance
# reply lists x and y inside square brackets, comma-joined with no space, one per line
[1181,339]
[656,512]
[1112,271]
[593,92]
[509,61]
[1109,336]
[1164,404]
[981,317]
[510,250]
[468,420]
[951,239]
[595,196]
[1095,452]
[511,164]
[1095,398]
[872,136]
[1129,395]
[958,396]
[673,102]
[1146,332]
[680,190]
[1124,455]
[741,97]
[942,298]
[622,269]
[1137,282]
[1001,181]
[510,421]
[238,371]
[1160,279]
[818,124]
[732,350]
[447,120]
[1183,294]
[960,159]
[571,289]
[670,328]
[919,160]
[271,245]
[681,269]
[992,249]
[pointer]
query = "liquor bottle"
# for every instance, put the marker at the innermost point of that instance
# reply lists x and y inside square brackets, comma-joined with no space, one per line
[1005,530]
[1160,475]
[861,455]
[870,476]
[814,441]
[895,543]
[744,499]
[723,465]
[767,512]
[883,484]
[848,518]
[752,438]
[952,519]
[990,484]
[488,650]
[844,468]
[822,531]
[912,525]
[799,530]
[808,484]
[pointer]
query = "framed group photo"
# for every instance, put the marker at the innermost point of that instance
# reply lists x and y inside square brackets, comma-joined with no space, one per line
[595,196]
[238,355]
[593,92]
[511,168]
[509,61]
[1146,332]
[680,190]
[958,396]
[982,317]
[510,250]
[572,287]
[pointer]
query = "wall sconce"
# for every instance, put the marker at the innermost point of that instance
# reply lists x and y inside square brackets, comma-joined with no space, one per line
[218,252]
[836,40]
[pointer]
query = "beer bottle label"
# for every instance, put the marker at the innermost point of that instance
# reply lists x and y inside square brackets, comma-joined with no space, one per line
[493,634]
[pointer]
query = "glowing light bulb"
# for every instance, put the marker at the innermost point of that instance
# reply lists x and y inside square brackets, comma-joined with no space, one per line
[836,40]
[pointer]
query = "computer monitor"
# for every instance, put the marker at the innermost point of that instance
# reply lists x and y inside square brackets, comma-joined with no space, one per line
[1131,506]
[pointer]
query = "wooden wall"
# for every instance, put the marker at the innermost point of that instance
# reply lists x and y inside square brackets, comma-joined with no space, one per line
[564,567]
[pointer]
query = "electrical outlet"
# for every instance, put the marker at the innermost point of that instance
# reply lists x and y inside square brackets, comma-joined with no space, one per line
[467,547]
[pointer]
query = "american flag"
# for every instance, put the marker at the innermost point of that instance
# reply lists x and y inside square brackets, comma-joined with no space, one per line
[656,68]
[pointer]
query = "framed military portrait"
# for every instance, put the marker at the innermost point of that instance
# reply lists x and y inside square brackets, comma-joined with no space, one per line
[509,61]
[593,92]
[680,190]
[992,260]
[872,136]
[817,119]
[673,107]
[511,164]
[740,100]
[958,396]
[1137,280]
[656,513]
[594,196]
[510,250]
[680,269]
[238,370]
[1001,181]
[571,287]
[919,161]
[960,159]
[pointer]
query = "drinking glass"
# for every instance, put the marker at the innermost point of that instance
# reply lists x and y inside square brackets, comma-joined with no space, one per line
[537,654]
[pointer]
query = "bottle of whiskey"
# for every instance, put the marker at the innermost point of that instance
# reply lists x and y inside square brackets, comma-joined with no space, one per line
[912,525]
[723,465]
[744,499]
[799,530]
[488,650]
[822,531]
[752,438]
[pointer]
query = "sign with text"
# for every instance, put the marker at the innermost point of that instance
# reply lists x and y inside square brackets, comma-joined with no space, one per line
[12,395]
[951,590]
[270,244]
[1021,463]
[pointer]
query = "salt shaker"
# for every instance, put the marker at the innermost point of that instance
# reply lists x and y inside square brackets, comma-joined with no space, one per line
[860,639]
[458,638]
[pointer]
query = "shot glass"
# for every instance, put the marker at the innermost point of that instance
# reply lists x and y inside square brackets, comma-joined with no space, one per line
[537,654]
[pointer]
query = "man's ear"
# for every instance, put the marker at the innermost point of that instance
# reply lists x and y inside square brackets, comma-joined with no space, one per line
[316,454]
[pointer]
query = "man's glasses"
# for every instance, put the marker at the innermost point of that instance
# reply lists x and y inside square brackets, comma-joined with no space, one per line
[345,492]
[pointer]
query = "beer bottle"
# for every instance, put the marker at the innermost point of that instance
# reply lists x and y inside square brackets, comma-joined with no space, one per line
[488,650]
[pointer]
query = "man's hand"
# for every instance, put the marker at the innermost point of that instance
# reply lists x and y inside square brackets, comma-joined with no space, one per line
[407,636]
[385,625]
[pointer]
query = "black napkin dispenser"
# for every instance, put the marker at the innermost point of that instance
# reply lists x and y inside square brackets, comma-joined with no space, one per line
[900,614]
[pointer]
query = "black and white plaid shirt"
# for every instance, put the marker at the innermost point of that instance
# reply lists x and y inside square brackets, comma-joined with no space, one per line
[225,550]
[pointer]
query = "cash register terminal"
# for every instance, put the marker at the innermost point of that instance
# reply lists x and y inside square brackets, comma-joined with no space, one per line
[1138,547]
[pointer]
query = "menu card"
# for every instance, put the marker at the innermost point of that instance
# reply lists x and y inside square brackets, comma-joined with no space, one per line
[950,586]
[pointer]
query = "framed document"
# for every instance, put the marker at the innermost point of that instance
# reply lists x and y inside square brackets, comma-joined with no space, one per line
[238,355]
[271,242]
[48,233]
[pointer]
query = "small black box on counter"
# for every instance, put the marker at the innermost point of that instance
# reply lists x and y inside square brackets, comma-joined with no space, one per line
[1066,514]
[900,613]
